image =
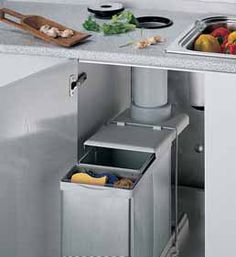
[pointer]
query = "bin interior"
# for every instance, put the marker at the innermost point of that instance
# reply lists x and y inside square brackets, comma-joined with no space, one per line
[107,157]
[135,177]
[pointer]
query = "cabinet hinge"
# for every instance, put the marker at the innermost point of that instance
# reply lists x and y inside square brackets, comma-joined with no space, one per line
[76,82]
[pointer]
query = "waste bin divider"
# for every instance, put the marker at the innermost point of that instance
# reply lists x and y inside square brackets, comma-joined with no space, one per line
[120,160]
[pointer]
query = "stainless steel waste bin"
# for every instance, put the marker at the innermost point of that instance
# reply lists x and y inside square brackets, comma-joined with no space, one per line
[108,221]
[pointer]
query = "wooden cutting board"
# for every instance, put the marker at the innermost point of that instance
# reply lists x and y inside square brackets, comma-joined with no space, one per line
[33,23]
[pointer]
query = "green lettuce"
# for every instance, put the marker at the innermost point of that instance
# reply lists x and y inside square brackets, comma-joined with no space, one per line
[120,23]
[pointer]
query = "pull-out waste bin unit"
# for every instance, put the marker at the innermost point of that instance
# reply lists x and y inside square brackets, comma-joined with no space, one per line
[109,221]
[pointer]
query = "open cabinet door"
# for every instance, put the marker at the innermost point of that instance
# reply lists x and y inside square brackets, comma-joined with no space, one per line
[38,142]
[41,126]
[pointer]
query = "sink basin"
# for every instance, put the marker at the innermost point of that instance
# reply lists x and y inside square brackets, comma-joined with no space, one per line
[184,43]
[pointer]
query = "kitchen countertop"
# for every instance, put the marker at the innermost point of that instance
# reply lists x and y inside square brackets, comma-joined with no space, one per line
[105,49]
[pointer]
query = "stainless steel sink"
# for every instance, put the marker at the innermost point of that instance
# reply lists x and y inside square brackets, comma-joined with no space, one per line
[184,43]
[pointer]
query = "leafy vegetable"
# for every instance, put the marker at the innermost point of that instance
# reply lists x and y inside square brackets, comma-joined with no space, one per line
[116,28]
[120,23]
[91,25]
[125,17]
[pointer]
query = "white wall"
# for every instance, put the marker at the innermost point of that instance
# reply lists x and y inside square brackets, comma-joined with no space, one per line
[205,6]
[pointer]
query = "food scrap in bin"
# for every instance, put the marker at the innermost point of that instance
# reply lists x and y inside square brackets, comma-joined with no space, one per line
[85,178]
[124,183]
[103,179]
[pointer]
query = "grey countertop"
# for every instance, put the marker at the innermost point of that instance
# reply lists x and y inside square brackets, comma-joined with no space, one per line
[105,49]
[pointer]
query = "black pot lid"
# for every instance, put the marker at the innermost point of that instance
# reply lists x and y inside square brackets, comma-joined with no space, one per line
[106,9]
[154,22]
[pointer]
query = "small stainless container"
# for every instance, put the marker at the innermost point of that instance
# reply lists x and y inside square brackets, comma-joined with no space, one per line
[108,221]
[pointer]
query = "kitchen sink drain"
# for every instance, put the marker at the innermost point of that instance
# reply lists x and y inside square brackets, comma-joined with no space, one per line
[154,22]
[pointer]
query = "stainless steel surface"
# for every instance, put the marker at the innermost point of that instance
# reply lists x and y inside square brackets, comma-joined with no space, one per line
[38,142]
[160,193]
[105,93]
[106,221]
[149,95]
[119,160]
[150,199]
[199,148]
[76,81]
[176,185]
[38,136]
[191,224]
[179,121]
[191,163]
[132,138]
[191,201]
[94,224]
[100,170]
[149,87]
[29,192]
[184,43]
[197,84]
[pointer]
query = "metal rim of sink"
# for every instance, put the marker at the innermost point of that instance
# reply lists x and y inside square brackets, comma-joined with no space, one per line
[182,43]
